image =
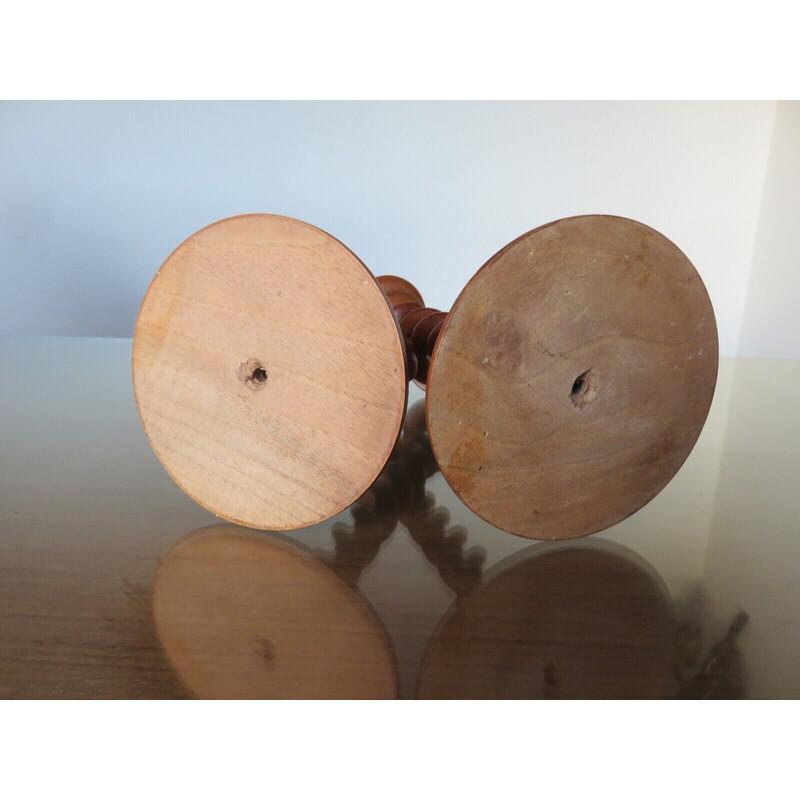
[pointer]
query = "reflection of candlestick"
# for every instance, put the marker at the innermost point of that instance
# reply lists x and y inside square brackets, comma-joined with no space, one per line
[399,496]
[244,614]
[585,621]
[720,675]
[250,615]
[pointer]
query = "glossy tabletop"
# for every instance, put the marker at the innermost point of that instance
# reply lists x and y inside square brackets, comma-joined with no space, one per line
[114,584]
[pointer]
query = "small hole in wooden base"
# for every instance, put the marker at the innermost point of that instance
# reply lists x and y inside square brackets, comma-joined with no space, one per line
[252,373]
[551,680]
[265,649]
[584,389]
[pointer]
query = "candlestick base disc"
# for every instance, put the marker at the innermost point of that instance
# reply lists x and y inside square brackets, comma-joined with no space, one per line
[269,372]
[572,377]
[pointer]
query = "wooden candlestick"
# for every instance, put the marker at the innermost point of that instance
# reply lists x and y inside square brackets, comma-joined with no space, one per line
[269,372]
[565,387]
[419,325]
[572,377]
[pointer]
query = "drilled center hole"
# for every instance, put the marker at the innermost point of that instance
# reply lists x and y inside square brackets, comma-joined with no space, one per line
[550,673]
[584,389]
[551,681]
[252,373]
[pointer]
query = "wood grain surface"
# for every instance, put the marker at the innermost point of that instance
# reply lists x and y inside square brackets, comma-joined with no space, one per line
[269,372]
[572,377]
[245,615]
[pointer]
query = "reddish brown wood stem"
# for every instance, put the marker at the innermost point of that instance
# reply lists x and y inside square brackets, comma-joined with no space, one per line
[420,325]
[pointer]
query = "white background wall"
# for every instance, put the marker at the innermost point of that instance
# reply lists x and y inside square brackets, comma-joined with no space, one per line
[771,323]
[94,196]
[754,547]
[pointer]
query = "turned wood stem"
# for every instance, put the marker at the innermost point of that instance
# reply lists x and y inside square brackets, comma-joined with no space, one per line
[420,325]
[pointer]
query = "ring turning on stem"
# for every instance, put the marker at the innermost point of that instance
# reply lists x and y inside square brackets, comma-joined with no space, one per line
[419,325]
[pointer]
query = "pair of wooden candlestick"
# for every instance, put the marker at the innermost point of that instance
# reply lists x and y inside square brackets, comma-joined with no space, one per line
[565,387]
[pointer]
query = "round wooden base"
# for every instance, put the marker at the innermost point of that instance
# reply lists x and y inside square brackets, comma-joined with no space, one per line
[572,377]
[246,615]
[269,372]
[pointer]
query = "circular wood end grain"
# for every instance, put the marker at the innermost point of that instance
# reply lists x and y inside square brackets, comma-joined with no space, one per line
[269,372]
[244,615]
[572,377]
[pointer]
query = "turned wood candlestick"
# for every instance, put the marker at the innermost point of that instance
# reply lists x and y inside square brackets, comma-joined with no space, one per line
[269,372]
[565,387]
[572,377]
[419,325]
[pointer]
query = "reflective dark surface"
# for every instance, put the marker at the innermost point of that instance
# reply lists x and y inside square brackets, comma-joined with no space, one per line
[113,583]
